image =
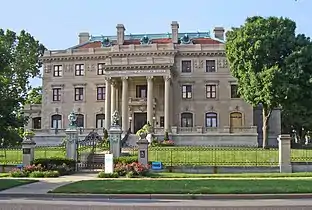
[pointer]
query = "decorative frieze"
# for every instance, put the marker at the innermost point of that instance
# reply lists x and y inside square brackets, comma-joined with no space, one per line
[222,63]
[137,67]
[219,53]
[199,64]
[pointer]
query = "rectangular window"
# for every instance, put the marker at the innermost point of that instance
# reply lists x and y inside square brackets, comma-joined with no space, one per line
[187,91]
[141,91]
[100,70]
[234,91]
[162,121]
[187,66]
[79,94]
[211,91]
[210,66]
[56,92]
[100,92]
[57,70]
[79,70]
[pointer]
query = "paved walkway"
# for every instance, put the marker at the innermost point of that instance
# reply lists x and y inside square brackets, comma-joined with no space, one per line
[47,184]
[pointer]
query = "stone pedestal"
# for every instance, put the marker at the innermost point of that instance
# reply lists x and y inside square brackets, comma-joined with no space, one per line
[115,140]
[143,151]
[71,143]
[28,146]
[284,153]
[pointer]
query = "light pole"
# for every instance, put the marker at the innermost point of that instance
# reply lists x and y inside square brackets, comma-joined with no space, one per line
[130,121]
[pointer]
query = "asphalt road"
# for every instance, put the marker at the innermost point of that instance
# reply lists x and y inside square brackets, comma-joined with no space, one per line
[103,204]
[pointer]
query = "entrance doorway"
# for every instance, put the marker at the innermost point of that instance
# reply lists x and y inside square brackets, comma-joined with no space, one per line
[236,121]
[140,119]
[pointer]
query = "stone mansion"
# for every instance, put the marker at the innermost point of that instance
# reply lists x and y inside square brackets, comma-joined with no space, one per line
[178,82]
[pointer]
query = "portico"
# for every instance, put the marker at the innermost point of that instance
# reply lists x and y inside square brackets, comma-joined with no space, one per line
[138,103]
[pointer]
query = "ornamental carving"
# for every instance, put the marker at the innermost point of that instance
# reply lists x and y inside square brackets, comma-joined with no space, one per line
[69,68]
[91,67]
[222,63]
[47,68]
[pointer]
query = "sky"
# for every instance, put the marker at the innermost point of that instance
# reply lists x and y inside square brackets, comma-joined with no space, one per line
[57,23]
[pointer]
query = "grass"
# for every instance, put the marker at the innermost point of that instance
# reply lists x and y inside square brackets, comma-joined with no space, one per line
[212,186]
[9,183]
[4,175]
[14,156]
[241,175]
[223,156]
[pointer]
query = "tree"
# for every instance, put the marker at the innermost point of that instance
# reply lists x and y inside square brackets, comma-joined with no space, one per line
[257,53]
[19,61]
[34,96]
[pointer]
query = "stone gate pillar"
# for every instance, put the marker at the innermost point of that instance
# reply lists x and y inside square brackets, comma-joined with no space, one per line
[115,136]
[72,137]
[143,149]
[28,147]
[284,153]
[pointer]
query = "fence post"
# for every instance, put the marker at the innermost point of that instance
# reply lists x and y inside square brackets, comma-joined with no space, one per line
[28,147]
[143,150]
[284,153]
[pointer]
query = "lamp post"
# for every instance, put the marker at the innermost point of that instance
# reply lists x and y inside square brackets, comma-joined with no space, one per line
[154,120]
[130,121]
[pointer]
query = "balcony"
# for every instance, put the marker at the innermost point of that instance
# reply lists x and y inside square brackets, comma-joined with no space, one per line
[209,130]
[139,101]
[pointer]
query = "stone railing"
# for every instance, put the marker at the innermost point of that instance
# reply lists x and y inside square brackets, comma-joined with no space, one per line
[61,131]
[139,101]
[208,130]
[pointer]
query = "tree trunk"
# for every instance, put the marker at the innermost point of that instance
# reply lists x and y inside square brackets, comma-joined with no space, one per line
[265,119]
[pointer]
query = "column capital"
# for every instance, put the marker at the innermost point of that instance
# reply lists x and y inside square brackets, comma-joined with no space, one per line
[167,78]
[108,79]
[149,78]
[125,78]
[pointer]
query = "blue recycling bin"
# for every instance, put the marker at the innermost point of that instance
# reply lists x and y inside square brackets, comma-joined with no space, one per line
[156,165]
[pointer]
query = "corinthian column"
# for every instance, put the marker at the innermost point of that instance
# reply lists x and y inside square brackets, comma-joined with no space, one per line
[108,103]
[113,96]
[150,98]
[125,105]
[167,103]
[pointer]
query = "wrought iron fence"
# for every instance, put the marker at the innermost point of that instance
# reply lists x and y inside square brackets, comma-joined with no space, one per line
[301,155]
[9,156]
[212,156]
[49,151]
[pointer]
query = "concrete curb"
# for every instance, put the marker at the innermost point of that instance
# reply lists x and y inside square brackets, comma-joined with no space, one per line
[160,196]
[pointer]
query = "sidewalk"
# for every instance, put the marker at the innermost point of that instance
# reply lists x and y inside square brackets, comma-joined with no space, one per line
[46,184]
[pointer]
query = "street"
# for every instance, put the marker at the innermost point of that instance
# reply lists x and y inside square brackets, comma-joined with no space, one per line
[103,204]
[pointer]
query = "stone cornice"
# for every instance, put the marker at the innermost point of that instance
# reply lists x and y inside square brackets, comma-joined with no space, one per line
[217,53]
[144,54]
[73,58]
[138,67]
[87,57]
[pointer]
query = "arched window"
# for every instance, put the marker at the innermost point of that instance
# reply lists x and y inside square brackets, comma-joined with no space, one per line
[36,123]
[211,120]
[186,119]
[100,120]
[236,121]
[56,121]
[80,120]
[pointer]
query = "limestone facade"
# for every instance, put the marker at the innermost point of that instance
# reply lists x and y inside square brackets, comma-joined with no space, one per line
[178,82]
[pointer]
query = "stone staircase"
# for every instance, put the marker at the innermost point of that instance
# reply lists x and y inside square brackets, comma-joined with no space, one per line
[132,139]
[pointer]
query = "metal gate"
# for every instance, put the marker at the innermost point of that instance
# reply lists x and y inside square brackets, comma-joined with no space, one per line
[87,155]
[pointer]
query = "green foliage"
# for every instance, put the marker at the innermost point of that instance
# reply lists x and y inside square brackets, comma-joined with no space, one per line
[259,53]
[126,159]
[63,165]
[166,137]
[19,61]
[34,96]
[102,174]
[105,134]
[144,130]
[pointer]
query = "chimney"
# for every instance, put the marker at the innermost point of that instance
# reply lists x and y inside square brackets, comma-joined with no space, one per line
[120,34]
[175,32]
[219,33]
[84,37]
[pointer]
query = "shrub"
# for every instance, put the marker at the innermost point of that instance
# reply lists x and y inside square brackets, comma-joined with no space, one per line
[166,137]
[31,168]
[51,174]
[167,143]
[102,174]
[126,159]
[18,173]
[63,165]
[134,169]
[37,174]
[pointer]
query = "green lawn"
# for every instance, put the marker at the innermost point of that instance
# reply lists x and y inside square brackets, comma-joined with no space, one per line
[14,156]
[4,175]
[222,156]
[212,186]
[240,175]
[9,183]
